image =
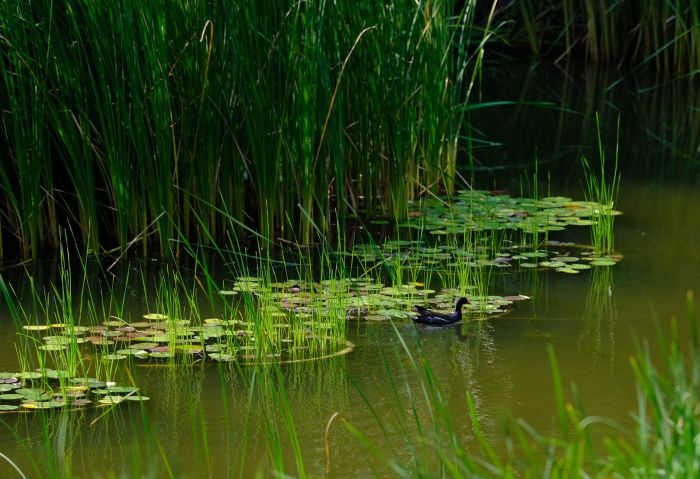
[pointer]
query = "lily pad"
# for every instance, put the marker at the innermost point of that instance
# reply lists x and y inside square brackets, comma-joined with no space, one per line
[603,262]
[143,345]
[42,404]
[222,357]
[121,390]
[114,357]
[11,397]
[52,347]
[137,398]
[579,266]
[35,327]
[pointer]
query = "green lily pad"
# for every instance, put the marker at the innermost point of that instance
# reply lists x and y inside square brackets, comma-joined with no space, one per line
[534,254]
[137,398]
[377,317]
[518,297]
[114,357]
[89,382]
[42,404]
[161,355]
[603,262]
[59,340]
[552,264]
[11,397]
[115,324]
[222,357]
[579,266]
[52,347]
[121,389]
[35,327]
[57,374]
[143,345]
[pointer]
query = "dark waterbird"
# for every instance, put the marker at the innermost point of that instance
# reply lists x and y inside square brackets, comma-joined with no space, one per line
[433,318]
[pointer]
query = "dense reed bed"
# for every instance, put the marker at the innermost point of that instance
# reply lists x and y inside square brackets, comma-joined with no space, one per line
[663,33]
[136,124]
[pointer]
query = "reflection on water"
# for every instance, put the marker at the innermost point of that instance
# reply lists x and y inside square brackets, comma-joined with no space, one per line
[600,317]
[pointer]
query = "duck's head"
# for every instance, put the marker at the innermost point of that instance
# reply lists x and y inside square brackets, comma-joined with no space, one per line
[461,302]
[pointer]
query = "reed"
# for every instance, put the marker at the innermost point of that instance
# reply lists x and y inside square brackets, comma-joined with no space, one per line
[603,192]
[146,122]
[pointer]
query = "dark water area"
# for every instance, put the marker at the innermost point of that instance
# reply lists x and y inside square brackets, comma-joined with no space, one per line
[593,320]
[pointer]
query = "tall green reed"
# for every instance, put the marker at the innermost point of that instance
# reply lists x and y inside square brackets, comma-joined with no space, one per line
[148,121]
[604,192]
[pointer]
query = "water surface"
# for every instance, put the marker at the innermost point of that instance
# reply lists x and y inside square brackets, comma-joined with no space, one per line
[593,320]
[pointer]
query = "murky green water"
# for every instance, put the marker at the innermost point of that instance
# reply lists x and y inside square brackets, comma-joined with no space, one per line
[202,422]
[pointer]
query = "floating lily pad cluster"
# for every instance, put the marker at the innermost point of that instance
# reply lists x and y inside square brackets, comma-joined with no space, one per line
[52,389]
[561,257]
[363,299]
[474,210]
[158,337]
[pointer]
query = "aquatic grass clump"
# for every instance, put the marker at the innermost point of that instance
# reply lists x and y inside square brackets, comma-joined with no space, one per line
[604,193]
[668,388]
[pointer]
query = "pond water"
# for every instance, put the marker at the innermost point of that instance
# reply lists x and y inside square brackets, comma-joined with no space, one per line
[203,421]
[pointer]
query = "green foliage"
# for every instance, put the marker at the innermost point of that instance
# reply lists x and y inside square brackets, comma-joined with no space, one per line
[142,121]
[603,192]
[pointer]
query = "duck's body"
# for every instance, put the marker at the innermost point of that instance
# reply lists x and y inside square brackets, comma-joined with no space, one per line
[433,318]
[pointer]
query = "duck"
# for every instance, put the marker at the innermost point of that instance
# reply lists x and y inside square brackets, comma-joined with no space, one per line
[433,318]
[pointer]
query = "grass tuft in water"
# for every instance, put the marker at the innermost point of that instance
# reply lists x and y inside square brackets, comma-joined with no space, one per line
[603,191]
